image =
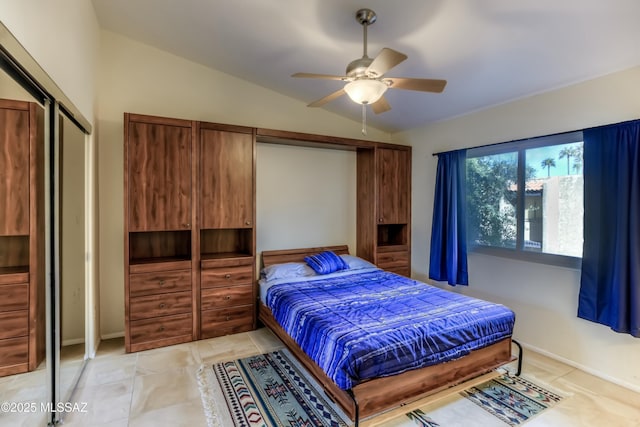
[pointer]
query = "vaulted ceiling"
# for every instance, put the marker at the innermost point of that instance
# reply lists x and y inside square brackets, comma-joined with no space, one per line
[489,51]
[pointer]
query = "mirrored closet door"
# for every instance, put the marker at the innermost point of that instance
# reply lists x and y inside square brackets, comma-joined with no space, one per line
[43,241]
[71,196]
[24,367]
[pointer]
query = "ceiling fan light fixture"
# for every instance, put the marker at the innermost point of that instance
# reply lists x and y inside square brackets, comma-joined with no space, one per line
[365,91]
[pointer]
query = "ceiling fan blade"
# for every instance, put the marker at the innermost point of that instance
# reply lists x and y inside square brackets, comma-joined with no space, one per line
[320,102]
[386,60]
[423,85]
[318,76]
[380,106]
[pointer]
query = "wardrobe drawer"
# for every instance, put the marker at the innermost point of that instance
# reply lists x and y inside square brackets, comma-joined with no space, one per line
[227,296]
[226,276]
[159,305]
[159,282]
[9,278]
[226,321]
[14,324]
[14,351]
[161,328]
[393,260]
[14,297]
[232,261]
[403,271]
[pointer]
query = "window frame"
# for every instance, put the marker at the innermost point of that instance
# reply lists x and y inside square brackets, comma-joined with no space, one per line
[520,147]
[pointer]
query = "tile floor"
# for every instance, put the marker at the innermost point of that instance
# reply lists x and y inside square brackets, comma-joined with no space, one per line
[158,387]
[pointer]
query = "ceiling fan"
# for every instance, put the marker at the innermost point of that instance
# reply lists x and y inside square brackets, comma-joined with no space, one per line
[365,79]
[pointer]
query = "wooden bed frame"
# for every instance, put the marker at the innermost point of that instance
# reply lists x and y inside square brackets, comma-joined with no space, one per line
[378,395]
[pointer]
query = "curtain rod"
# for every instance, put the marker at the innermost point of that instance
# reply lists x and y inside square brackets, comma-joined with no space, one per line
[536,137]
[506,142]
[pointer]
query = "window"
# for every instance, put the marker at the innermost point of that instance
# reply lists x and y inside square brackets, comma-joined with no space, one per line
[525,198]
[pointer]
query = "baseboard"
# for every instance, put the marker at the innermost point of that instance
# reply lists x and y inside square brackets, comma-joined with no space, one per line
[72,341]
[576,365]
[113,335]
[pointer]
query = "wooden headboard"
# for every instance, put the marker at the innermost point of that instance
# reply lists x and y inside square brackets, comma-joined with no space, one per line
[297,255]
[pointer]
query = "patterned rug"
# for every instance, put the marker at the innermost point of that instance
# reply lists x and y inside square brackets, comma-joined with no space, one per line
[273,389]
[504,401]
[265,390]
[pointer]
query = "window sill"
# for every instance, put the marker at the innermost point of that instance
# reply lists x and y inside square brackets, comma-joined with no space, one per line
[534,257]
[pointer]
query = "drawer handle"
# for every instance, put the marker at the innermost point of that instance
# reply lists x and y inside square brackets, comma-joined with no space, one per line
[187,225]
[228,317]
[227,297]
[247,223]
[162,305]
[227,276]
[380,219]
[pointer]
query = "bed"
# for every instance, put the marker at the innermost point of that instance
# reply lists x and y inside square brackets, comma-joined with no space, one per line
[377,360]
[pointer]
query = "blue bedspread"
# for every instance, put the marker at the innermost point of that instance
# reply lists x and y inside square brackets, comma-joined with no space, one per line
[364,325]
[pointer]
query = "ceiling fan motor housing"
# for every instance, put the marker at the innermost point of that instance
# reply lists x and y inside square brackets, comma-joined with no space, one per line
[358,68]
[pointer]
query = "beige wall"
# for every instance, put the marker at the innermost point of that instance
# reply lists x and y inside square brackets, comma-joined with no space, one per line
[544,298]
[73,236]
[62,36]
[137,78]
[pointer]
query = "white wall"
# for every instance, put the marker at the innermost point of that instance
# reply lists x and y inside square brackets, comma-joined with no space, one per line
[543,297]
[305,197]
[141,79]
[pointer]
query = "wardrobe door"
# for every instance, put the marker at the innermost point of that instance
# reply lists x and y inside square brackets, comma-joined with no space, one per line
[159,175]
[14,169]
[393,181]
[226,199]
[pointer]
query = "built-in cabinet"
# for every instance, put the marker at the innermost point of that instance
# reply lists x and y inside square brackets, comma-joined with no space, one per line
[160,293]
[226,203]
[189,231]
[22,281]
[384,207]
[190,237]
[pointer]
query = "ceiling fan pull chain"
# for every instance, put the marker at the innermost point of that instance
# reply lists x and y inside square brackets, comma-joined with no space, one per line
[364,119]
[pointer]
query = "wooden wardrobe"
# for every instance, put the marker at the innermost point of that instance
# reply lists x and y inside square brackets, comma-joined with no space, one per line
[384,207]
[189,231]
[22,234]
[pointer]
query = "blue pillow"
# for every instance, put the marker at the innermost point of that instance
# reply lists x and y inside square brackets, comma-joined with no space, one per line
[326,262]
[356,263]
[287,270]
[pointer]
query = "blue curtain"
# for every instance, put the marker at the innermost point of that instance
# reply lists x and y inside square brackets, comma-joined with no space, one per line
[448,259]
[610,279]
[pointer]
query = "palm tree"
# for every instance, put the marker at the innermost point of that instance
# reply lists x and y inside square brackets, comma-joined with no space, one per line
[578,156]
[548,163]
[568,152]
[577,165]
